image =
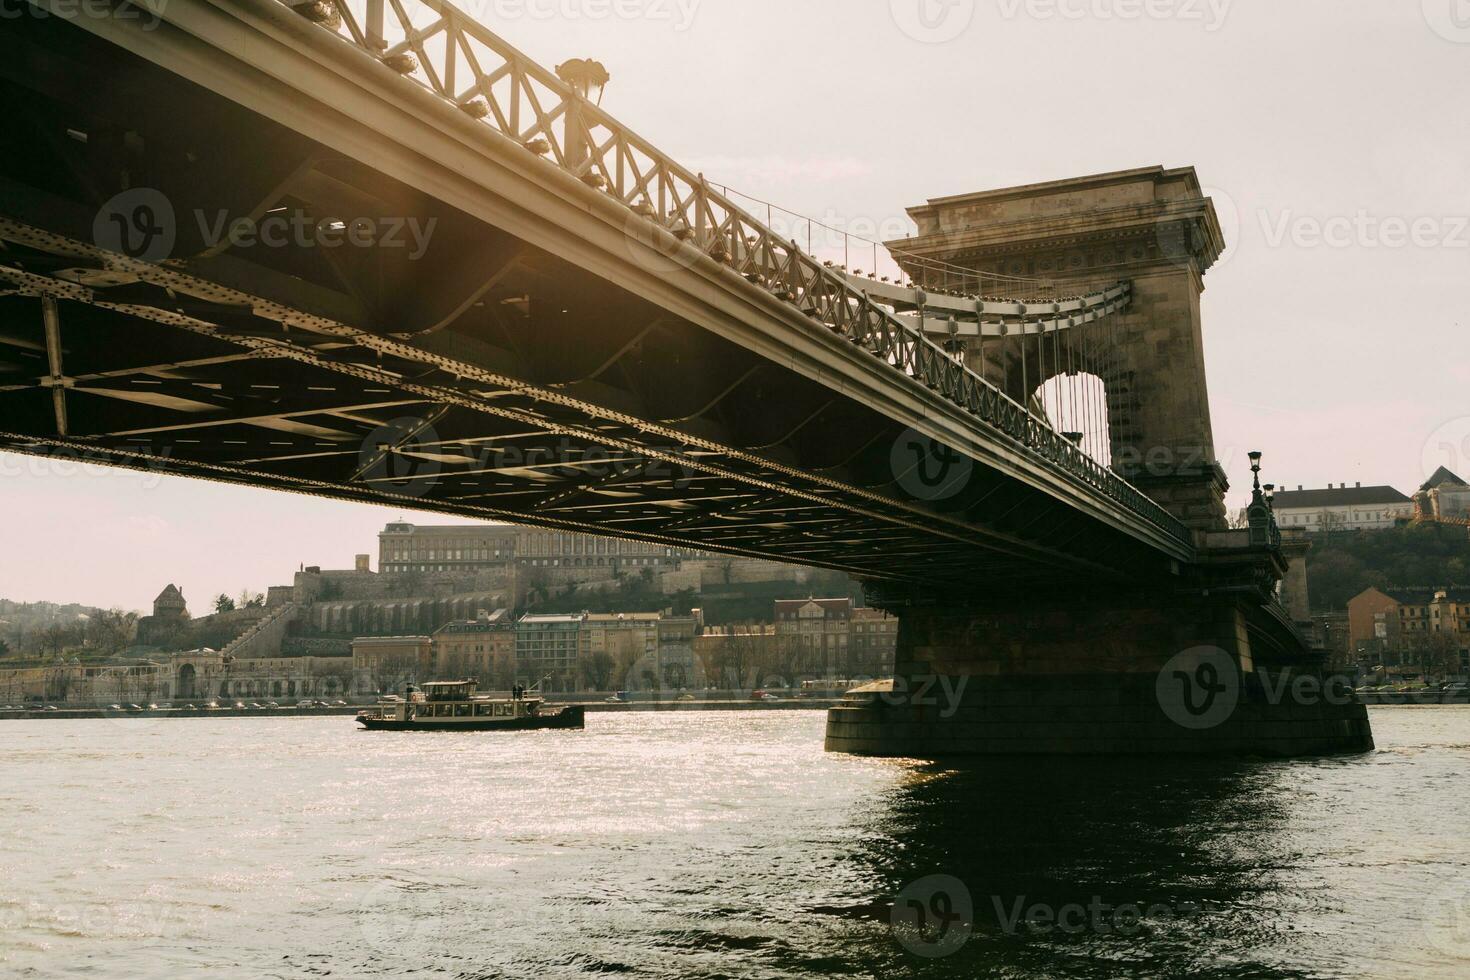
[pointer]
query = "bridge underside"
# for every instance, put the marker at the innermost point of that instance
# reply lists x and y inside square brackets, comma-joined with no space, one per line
[459,369]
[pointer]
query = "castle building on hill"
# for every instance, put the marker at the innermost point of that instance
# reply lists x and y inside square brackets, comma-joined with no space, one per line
[170,613]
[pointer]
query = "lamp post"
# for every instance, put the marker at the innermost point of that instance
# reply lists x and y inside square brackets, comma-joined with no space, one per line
[583,76]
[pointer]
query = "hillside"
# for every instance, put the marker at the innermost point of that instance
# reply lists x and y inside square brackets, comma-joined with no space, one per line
[1343,564]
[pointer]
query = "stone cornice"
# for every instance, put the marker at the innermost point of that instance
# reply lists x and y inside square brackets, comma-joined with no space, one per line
[1063,232]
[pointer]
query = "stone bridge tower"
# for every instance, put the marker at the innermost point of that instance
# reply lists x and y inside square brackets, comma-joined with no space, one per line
[1153,227]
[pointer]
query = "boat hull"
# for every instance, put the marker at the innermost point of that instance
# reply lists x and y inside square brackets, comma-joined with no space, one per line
[570,717]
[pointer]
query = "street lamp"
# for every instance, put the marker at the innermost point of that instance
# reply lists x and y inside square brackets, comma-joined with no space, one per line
[584,75]
[1256,467]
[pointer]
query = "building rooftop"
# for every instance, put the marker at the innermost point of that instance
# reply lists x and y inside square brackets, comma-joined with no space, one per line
[1338,497]
[1442,478]
[1419,596]
[401,527]
[863,612]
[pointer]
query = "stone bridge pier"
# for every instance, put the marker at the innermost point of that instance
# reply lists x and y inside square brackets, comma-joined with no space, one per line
[1204,661]
[1210,664]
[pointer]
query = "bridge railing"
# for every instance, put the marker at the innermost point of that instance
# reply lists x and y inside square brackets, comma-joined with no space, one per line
[491,80]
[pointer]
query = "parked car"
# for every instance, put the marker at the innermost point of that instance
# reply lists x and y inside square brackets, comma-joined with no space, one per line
[134,707]
[339,704]
[238,705]
[614,699]
[321,704]
[306,704]
[686,697]
[49,707]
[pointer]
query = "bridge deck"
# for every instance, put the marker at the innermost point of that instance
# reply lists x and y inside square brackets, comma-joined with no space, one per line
[552,356]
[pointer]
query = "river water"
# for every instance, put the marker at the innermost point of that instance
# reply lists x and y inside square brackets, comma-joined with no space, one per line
[716,844]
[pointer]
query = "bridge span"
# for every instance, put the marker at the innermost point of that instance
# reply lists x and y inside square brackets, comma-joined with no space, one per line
[344,249]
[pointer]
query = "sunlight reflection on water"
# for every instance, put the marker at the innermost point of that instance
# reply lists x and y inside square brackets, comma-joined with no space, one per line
[718,844]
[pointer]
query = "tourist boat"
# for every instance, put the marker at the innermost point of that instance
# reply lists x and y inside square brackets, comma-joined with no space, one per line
[456,706]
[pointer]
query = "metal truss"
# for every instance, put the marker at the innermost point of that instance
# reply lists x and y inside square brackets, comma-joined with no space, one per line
[436,45]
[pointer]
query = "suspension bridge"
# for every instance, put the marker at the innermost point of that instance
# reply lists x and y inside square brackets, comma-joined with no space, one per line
[368,249]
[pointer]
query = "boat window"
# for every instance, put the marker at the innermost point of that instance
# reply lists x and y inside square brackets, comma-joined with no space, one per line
[461,710]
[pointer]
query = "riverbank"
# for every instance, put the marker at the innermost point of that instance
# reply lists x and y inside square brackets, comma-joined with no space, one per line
[1414,697]
[803,704]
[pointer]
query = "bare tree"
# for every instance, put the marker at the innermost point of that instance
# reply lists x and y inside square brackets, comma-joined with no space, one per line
[599,670]
[111,631]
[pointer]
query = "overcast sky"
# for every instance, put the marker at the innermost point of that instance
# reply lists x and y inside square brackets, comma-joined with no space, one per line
[1332,135]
